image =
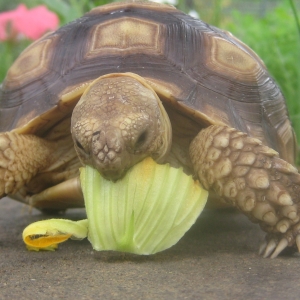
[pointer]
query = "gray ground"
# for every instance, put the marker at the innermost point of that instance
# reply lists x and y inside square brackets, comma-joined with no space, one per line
[216,259]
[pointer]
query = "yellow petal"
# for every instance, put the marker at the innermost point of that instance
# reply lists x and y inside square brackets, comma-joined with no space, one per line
[47,234]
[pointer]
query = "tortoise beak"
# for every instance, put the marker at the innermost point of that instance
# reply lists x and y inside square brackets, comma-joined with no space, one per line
[113,175]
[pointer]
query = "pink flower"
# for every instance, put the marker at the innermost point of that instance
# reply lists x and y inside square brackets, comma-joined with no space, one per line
[29,23]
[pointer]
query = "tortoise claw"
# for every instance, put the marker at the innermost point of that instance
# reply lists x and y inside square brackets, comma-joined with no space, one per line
[298,242]
[270,248]
[262,248]
[280,247]
[274,245]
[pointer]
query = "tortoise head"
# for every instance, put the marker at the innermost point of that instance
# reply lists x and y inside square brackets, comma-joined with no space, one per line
[118,121]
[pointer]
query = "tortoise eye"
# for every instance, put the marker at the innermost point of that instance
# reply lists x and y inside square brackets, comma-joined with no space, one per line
[141,139]
[79,145]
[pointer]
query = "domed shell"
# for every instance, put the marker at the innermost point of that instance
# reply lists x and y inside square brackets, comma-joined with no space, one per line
[201,71]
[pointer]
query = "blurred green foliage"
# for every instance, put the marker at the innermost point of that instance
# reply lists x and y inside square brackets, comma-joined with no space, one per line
[271,32]
[275,39]
[73,9]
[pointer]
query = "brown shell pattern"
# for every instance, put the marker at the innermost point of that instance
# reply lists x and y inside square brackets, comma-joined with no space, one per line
[202,71]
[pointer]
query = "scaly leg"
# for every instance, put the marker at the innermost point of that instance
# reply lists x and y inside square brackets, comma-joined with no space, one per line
[21,158]
[251,177]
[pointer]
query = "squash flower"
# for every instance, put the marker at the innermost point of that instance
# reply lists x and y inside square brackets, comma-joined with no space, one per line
[27,23]
[145,212]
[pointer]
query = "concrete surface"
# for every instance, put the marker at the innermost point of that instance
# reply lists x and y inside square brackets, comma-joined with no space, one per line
[216,259]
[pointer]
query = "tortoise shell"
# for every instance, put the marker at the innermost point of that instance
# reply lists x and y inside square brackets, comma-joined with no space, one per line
[200,71]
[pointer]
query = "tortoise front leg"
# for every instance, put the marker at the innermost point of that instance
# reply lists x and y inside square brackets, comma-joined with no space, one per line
[21,158]
[251,177]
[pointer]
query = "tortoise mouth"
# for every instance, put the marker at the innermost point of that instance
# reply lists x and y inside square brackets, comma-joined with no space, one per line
[110,170]
[113,175]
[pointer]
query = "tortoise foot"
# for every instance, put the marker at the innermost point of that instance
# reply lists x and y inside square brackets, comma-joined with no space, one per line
[251,177]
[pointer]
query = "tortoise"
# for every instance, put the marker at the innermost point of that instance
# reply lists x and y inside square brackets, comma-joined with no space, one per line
[137,79]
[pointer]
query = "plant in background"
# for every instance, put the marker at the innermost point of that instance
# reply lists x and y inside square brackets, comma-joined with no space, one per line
[19,27]
[72,9]
[27,23]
